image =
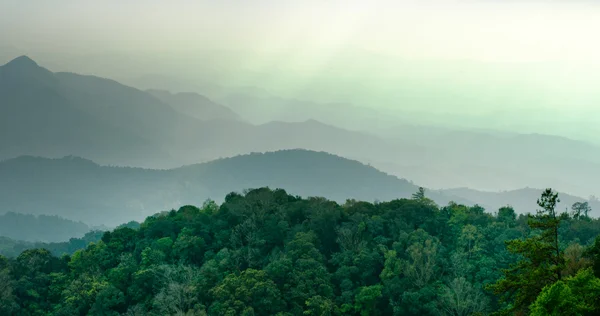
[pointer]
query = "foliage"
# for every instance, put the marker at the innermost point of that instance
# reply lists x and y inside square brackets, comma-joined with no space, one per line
[576,295]
[12,248]
[266,252]
[542,260]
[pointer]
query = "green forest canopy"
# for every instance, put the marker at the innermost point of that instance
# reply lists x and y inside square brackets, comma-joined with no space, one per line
[270,253]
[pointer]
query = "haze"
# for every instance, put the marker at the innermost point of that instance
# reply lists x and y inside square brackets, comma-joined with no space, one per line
[275,157]
[518,66]
[488,95]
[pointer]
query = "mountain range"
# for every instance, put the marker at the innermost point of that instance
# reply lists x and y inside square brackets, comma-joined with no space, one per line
[195,105]
[431,155]
[57,114]
[41,228]
[79,189]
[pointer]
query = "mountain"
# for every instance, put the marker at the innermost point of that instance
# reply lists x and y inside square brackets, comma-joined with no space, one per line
[82,190]
[10,247]
[447,157]
[496,161]
[135,111]
[174,84]
[260,109]
[57,114]
[41,114]
[42,228]
[315,135]
[79,189]
[195,105]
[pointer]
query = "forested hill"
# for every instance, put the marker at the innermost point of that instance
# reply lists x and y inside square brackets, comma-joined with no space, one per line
[79,189]
[306,173]
[40,228]
[270,253]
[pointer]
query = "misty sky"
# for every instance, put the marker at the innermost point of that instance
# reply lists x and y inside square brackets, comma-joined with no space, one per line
[528,66]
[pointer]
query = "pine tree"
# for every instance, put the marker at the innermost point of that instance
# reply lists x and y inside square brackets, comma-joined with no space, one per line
[419,195]
[541,259]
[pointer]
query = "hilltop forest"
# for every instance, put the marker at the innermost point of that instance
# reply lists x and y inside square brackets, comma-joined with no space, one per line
[266,252]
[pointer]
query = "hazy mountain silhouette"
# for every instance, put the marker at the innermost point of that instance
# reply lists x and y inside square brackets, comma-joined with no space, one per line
[260,109]
[493,161]
[315,135]
[448,157]
[195,105]
[80,189]
[115,124]
[174,84]
[39,116]
[57,114]
[40,228]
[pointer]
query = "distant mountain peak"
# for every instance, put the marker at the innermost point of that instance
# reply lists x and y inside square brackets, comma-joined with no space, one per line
[24,69]
[21,62]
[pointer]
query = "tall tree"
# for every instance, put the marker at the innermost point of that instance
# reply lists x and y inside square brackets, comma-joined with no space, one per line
[541,259]
[420,194]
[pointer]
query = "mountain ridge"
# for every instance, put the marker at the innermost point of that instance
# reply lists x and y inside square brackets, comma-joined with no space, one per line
[80,189]
[94,112]
[65,113]
[195,105]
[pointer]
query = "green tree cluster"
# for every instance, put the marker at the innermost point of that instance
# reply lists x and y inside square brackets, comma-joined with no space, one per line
[266,252]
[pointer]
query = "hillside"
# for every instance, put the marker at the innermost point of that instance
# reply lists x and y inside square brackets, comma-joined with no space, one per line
[38,117]
[12,247]
[302,172]
[80,189]
[444,157]
[58,114]
[494,161]
[267,252]
[195,105]
[42,228]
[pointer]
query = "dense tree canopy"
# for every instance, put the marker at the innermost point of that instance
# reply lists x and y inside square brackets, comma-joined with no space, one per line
[266,252]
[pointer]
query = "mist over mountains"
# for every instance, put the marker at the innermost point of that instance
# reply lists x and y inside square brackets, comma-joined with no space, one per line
[79,189]
[413,158]
[120,125]
[195,105]
[58,114]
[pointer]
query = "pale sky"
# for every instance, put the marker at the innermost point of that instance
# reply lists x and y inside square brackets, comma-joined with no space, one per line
[475,30]
[496,61]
